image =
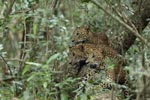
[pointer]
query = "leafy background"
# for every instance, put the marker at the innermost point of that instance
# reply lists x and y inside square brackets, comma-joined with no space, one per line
[41,30]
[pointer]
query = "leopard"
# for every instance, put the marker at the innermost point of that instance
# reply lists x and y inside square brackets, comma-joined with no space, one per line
[76,54]
[77,58]
[95,58]
[97,54]
[83,34]
[92,55]
[91,49]
[87,53]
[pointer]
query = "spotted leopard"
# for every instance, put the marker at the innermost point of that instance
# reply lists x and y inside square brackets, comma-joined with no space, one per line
[92,49]
[83,34]
[88,54]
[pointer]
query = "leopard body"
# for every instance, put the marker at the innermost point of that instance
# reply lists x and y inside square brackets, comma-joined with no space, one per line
[92,49]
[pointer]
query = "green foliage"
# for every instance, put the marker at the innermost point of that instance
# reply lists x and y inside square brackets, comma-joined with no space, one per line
[34,41]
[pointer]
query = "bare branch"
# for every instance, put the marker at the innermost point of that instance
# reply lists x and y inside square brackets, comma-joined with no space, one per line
[133,30]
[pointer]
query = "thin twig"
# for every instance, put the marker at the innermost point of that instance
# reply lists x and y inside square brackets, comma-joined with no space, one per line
[144,77]
[8,11]
[7,59]
[6,64]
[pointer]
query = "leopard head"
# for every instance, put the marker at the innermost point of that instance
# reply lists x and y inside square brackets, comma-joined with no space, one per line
[80,35]
[76,55]
[95,58]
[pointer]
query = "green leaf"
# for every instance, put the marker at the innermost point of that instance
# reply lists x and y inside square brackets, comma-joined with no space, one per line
[35,28]
[53,57]
[83,97]
[26,68]
[111,66]
[26,95]
[45,84]
[1,46]
[31,77]
[32,63]
[64,96]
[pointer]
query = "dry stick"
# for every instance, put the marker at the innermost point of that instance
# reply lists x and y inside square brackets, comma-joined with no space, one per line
[8,11]
[135,32]
[11,59]
[112,93]
[21,11]
[6,64]
[142,92]
[24,40]
[139,93]
[144,77]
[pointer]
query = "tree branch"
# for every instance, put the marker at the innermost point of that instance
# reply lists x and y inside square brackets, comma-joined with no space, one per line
[133,30]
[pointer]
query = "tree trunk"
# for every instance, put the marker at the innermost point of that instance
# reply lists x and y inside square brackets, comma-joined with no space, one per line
[140,19]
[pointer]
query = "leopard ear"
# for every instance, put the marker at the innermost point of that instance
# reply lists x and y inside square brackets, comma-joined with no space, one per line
[87,27]
[77,27]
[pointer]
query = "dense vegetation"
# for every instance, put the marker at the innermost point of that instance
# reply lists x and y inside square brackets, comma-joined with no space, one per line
[35,40]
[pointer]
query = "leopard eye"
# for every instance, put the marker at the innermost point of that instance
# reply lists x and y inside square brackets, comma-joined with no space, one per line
[77,33]
[93,56]
[73,54]
[83,41]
